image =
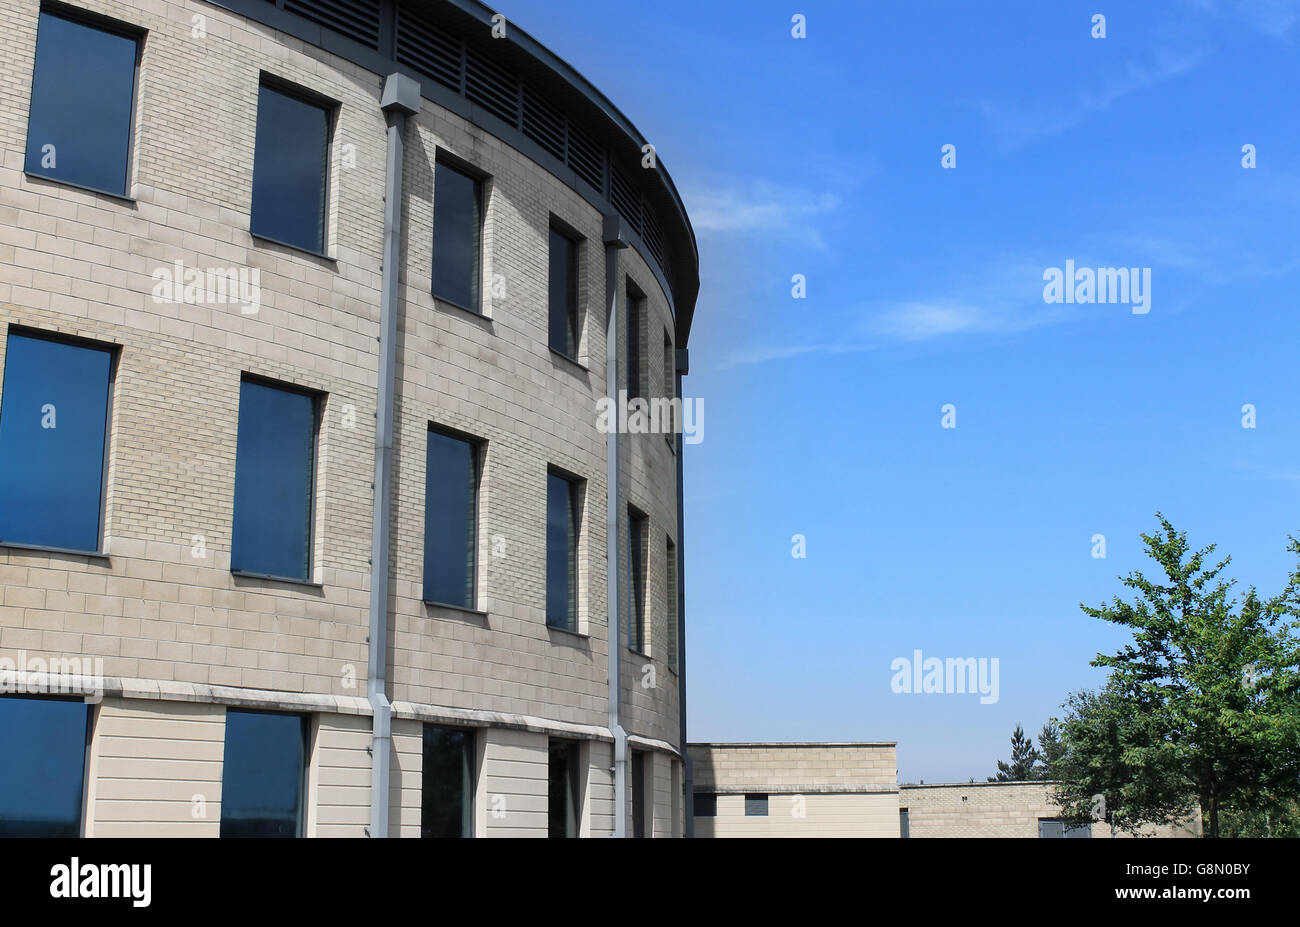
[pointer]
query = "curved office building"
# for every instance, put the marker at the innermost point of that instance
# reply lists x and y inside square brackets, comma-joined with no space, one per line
[313,521]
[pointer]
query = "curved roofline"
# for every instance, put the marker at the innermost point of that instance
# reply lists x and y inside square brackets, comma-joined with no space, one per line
[574,77]
[682,277]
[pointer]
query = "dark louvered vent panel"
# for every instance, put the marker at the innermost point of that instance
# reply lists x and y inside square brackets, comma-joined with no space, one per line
[429,50]
[653,235]
[586,158]
[625,197]
[356,19]
[543,124]
[492,87]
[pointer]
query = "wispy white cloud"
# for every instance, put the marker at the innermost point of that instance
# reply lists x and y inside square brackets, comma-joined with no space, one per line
[1273,17]
[1017,122]
[742,208]
[762,354]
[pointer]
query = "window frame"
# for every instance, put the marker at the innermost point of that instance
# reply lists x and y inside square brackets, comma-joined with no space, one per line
[572,785]
[636,301]
[469,813]
[573,311]
[91,716]
[332,108]
[751,804]
[318,416]
[576,487]
[306,722]
[114,352]
[94,20]
[638,559]
[479,448]
[444,158]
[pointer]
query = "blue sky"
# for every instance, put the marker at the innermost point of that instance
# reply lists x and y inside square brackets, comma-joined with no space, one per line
[821,157]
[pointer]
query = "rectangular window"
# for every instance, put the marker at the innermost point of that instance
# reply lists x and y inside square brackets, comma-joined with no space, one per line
[447,782]
[83,98]
[457,236]
[755,806]
[638,794]
[53,442]
[563,812]
[636,554]
[635,314]
[290,167]
[904,823]
[670,567]
[706,805]
[262,774]
[561,552]
[41,781]
[450,520]
[275,463]
[563,293]
[670,387]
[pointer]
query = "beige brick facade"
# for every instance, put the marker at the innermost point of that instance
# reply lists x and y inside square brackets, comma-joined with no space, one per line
[999,809]
[809,789]
[173,625]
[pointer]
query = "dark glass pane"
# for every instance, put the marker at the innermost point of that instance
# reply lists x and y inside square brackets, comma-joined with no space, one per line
[273,481]
[455,237]
[83,88]
[706,806]
[633,345]
[451,481]
[563,296]
[289,170]
[638,794]
[561,553]
[756,806]
[636,588]
[43,743]
[53,418]
[562,789]
[447,791]
[262,774]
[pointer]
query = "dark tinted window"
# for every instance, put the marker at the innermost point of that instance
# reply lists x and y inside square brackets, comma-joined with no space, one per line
[83,91]
[706,806]
[274,463]
[755,806]
[262,774]
[290,170]
[638,794]
[562,796]
[561,552]
[447,792]
[636,529]
[450,530]
[53,421]
[457,205]
[635,306]
[43,742]
[563,294]
[670,571]
[904,823]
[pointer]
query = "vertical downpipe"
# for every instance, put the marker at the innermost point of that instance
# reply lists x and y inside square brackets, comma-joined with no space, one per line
[614,242]
[683,367]
[401,98]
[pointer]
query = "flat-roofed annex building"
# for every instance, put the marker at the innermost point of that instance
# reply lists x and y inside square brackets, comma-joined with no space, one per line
[304,317]
[795,789]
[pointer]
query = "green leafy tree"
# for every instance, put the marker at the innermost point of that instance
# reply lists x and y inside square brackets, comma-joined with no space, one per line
[1050,750]
[1203,705]
[1023,759]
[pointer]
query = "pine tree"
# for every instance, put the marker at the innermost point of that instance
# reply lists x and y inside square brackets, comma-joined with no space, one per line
[1023,760]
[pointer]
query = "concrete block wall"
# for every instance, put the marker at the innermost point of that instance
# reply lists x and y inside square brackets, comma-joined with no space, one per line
[163,605]
[998,809]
